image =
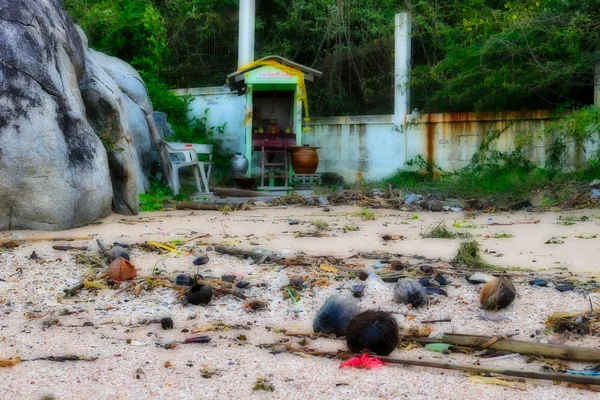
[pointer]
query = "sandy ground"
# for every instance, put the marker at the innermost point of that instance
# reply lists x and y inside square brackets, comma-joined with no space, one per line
[130,365]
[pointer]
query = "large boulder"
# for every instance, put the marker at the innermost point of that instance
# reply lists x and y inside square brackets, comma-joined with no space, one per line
[53,167]
[57,99]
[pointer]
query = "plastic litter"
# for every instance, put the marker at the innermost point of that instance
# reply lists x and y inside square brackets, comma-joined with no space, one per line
[363,362]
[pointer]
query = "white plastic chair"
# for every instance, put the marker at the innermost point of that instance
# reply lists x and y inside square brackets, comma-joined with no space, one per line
[186,155]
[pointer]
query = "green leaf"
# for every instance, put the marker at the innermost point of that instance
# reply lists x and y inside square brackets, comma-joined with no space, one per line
[439,347]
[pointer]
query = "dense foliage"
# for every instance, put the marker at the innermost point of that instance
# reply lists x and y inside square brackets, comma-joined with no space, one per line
[468,55]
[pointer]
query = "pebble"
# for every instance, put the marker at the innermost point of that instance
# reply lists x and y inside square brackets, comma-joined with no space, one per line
[478,277]
[166,323]
[538,282]
[358,290]
[441,279]
[184,280]
[426,268]
[242,284]
[565,287]
[201,260]
[228,278]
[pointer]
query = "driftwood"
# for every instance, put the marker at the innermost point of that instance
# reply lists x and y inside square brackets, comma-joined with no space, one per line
[258,255]
[192,205]
[49,238]
[501,371]
[237,193]
[524,347]
[66,248]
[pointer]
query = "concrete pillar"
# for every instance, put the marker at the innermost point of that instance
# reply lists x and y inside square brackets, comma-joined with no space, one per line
[402,68]
[246,32]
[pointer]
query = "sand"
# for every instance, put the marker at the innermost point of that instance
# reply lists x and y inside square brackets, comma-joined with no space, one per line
[131,365]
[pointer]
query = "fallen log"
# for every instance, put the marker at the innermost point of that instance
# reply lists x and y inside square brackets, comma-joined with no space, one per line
[237,193]
[524,347]
[501,371]
[192,205]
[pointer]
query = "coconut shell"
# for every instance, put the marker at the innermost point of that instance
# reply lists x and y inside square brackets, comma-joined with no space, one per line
[497,294]
[375,331]
[121,270]
[200,293]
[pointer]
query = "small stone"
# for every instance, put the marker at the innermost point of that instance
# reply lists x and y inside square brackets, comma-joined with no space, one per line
[538,282]
[228,278]
[118,251]
[565,287]
[184,280]
[363,275]
[441,279]
[478,277]
[33,256]
[426,268]
[436,290]
[297,281]
[424,282]
[209,248]
[358,290]
[201,260]
[398,265]
[166,323]
[242,284]
[88,323]
[433,205]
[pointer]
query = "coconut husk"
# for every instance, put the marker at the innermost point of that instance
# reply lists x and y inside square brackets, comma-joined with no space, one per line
[121,270]
[497,294]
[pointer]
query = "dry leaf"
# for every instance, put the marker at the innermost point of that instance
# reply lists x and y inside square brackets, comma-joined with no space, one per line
[496,381]
[328,268]
[9,362]
[93,285]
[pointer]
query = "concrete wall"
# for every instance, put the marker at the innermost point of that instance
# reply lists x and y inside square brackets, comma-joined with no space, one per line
[373,147]
[363,147]
[224,106]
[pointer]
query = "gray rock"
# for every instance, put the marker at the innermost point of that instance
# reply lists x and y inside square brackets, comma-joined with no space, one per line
[57,98]
[432,205]
[411,198]
[479,277]
[335,315]
[409,291]
[162,124]
[53,168]
[595,194]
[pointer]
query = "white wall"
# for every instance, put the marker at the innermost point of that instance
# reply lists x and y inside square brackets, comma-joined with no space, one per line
[224,106]
[372,147]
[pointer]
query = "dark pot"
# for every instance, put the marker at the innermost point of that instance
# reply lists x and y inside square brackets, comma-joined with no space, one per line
[305,159]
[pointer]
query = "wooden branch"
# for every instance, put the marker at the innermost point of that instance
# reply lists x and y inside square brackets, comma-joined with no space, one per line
[66,248]
[501,371]
[524,347]
[192,205]
[238,193]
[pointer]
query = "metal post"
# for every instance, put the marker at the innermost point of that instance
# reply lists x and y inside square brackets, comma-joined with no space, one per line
[597,84]
[402,68]
[246,32]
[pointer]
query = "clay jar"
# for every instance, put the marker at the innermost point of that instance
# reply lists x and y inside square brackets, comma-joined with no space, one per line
[305,159]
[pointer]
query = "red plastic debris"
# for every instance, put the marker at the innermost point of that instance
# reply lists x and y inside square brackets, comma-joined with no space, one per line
[364,362]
